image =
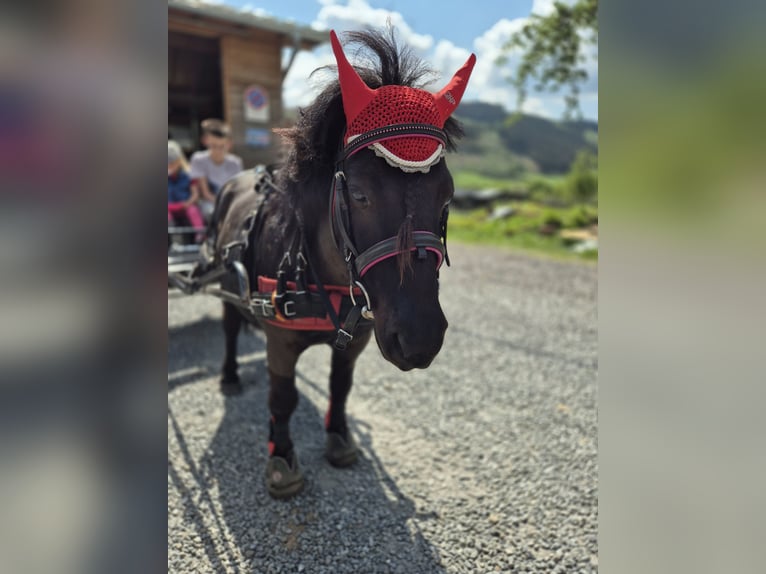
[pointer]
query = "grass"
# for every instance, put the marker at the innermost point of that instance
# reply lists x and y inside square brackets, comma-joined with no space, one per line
[522,229]
[548,204]
[473,180]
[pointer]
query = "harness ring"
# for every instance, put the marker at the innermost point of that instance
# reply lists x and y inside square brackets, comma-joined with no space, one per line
[366,309]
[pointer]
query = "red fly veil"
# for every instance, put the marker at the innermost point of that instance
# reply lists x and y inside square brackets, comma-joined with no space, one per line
[367,109]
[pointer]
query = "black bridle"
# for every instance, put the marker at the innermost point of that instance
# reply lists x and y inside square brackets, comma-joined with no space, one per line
[359,263]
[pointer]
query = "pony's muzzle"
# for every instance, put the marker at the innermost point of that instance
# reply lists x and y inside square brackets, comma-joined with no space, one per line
[416,348]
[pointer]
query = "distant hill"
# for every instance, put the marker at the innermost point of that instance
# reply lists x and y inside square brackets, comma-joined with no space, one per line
[501,145]
[481,112]
[498,145]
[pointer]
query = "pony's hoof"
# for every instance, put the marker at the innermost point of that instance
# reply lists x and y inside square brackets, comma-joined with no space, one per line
[283,476]
[340,451]
[231,388]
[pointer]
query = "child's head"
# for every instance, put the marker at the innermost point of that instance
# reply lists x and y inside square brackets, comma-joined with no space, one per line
[216,138]
[176,158]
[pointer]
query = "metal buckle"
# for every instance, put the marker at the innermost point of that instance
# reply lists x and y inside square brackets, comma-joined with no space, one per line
[286,312]
[267,309]
[343,339]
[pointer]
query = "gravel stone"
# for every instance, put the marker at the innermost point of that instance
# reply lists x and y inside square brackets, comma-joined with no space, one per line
[484,462]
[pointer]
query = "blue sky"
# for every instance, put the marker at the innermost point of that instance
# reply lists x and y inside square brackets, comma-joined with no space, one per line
[443,32]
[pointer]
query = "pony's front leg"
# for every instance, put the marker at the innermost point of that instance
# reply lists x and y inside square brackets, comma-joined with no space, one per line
[232,322]
[340,448]
[283,475]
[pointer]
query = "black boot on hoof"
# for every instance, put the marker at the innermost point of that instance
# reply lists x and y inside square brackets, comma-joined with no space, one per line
[283,476]
[341,452]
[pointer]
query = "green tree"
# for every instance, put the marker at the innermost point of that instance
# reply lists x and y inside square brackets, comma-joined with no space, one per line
[582,180]
[551,50]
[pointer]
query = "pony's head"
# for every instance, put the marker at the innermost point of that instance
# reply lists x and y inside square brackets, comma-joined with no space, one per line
[398,187]
[392,187]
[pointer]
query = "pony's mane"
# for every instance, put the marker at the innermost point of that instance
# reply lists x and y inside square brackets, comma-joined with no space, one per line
[314,141]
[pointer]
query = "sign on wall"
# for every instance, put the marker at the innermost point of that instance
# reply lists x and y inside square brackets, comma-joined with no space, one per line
[256,104]
[257,137]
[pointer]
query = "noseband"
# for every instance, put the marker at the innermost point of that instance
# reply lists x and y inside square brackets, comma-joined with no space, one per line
[360,263]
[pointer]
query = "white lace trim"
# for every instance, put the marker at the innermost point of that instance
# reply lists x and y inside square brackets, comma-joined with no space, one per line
[405,165]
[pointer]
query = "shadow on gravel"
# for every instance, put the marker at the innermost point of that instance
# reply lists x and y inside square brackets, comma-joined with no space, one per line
[346,520]
[195,352]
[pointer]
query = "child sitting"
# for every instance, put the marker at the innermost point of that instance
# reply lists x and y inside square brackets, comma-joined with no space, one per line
[211,168]
[182,197]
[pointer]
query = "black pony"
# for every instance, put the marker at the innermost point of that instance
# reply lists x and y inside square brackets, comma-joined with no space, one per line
[344,239]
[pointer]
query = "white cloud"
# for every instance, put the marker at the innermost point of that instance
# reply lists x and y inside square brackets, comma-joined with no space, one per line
[488,48]
[251,9]
[488,82]
[545,7]
[353,15]
[357,14]
[299,89]
[542,7]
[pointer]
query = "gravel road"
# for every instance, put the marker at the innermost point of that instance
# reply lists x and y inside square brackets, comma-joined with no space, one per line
[485,462]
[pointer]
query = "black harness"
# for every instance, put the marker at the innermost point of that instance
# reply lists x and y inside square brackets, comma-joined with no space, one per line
[301,300]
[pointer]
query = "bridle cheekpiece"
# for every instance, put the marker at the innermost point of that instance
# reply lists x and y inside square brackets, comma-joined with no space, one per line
[404,126]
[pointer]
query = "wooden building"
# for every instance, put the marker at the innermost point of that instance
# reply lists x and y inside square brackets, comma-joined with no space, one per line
[228,64]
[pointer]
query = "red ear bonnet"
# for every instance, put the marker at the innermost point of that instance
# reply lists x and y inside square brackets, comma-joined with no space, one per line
[368,109]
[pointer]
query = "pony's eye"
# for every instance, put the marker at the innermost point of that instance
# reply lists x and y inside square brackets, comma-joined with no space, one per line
[361,198]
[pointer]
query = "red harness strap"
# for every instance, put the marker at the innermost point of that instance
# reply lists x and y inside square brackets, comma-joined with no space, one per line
[335,292]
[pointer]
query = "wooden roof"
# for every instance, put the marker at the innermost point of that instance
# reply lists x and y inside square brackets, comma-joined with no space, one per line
[218,19]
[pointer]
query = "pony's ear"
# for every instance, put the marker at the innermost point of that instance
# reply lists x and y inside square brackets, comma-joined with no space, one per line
[356,94]
[449,97]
